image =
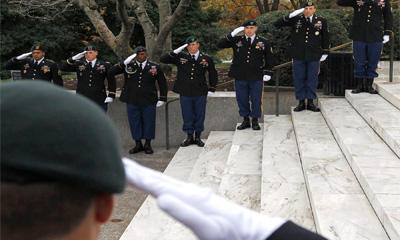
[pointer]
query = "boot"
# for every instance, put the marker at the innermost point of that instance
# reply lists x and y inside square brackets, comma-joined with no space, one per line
[245,124]
[369,86]
[197,140]
[188,141]
[360,86]
[311,106]
[300,107]
[254,124]
[147,147]
[137,148]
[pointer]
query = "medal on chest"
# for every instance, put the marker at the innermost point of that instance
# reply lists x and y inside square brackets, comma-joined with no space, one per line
[381,3]
[260,45]
[204,62]
[46,68]
[82,67]
[360,3]
[183,60]
[153,70]
[100,68]
[26,66]
[239,44]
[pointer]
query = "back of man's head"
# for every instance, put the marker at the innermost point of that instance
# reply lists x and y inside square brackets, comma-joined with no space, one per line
[60,153]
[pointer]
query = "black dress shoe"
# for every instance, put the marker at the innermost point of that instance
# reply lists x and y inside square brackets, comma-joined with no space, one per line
[197,140]
[188,141]
[137,148]
[245,124]
[360,86]
[312,107]
[300,107]
[148,149]
[254,124]
[370,89]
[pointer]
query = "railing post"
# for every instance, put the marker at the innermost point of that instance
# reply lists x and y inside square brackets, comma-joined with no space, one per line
[391,58]
[277,93]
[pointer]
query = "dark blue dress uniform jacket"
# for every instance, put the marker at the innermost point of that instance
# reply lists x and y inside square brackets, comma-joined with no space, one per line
[249,62]
[191,80]
[367,21]
[91,80]
[47,69]
[140,86]
[308,41]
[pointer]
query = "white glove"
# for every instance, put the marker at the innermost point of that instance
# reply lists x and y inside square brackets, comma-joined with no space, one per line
[266,78]
[160,103]
[23,56]
[210,94]
[386,38]
[199,208]
[108,100]
[78,56]
[179,49]
[237,30]
[323,57]
[129,59]
[297,12]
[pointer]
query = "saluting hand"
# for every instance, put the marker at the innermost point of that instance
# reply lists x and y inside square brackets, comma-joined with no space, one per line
[78,56]
[23,56]
[237,30]
[266,78]
[108,100]
[179,49]
[129,59]
[323,57]
[297,12]
[160,103]
[209,94]
[386,38]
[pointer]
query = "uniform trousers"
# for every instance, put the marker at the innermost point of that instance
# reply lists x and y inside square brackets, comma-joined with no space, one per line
[366,58]
[193,113]
[305,75]
[247,91]
[104,107]
[142,121]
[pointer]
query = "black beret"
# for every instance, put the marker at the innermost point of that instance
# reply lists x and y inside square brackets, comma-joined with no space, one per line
[249,23]
[37,47]
[307,4]
[191,39]
[140,49]
[53,136]
[90,48]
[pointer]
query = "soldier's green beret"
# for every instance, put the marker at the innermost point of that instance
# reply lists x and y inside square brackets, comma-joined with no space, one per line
[90,48]
[191,39]
[50,135]
[249,23]
[37,47]
[140,49]
[307,4]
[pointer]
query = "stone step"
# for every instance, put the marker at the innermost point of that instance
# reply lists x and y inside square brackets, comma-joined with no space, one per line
[390,91]
[340,208]
[283,190]
[382,116]
[150,222]
[375,165]
[241,181]
[207,172]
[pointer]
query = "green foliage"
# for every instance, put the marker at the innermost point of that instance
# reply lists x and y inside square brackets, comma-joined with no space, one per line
[339,21]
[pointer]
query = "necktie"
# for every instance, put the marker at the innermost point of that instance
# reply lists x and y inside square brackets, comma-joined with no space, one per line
[249,41]
[140,66]
[194,57]
[308,20]
[36,63]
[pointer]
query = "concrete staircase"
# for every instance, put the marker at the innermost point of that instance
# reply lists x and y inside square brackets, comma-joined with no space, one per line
[336,172]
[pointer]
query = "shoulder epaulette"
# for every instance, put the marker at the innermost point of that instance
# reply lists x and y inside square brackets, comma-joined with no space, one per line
[49,60]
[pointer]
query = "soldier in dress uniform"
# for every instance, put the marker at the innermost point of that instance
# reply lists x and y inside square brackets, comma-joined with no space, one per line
[140,95]
[309,45]
[191,85]
[91,74]
[36,68]
[368,38]
[252,64]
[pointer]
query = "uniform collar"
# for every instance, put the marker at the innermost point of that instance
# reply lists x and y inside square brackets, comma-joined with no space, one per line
[143,63]
[40,61]
[196,55]
[311,17]
[93,62]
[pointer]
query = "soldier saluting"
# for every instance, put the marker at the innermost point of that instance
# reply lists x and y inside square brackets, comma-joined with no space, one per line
[91,74]
[37,67]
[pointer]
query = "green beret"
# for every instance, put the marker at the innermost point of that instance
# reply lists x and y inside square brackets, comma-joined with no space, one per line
[37,47]
[307,4]
[191,39]
[249,23]
[90,48]
[140,49]
[50,135]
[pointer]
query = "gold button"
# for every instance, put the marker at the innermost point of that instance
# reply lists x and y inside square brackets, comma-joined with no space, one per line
[34,70]
[192,69]
[140,73]
[248,56]
[368,20]
[139,81]
[34,74]
[139,86]
[91,71]
[192,73]
[90,76]
[249,48]
[369,11]
[306,36]
[140,77]
[308,29]
[90,85]
[191,78]
[248,52]
[90,80]
[369,15]
[370,6]
[306,32]
[33,78]
[247,60]
[306,40]
[193,64]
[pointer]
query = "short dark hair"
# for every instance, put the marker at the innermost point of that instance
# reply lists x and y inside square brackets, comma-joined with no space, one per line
[42,210]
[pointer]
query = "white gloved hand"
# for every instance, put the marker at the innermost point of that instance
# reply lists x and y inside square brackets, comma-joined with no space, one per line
[297,12]
[199,208]
[323,57]
[78,56]
[266,78]
[108,100]
[237,30]
[179,49]
[386,38]
[210,94]
[160,103]
[129,59]
[23,56]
